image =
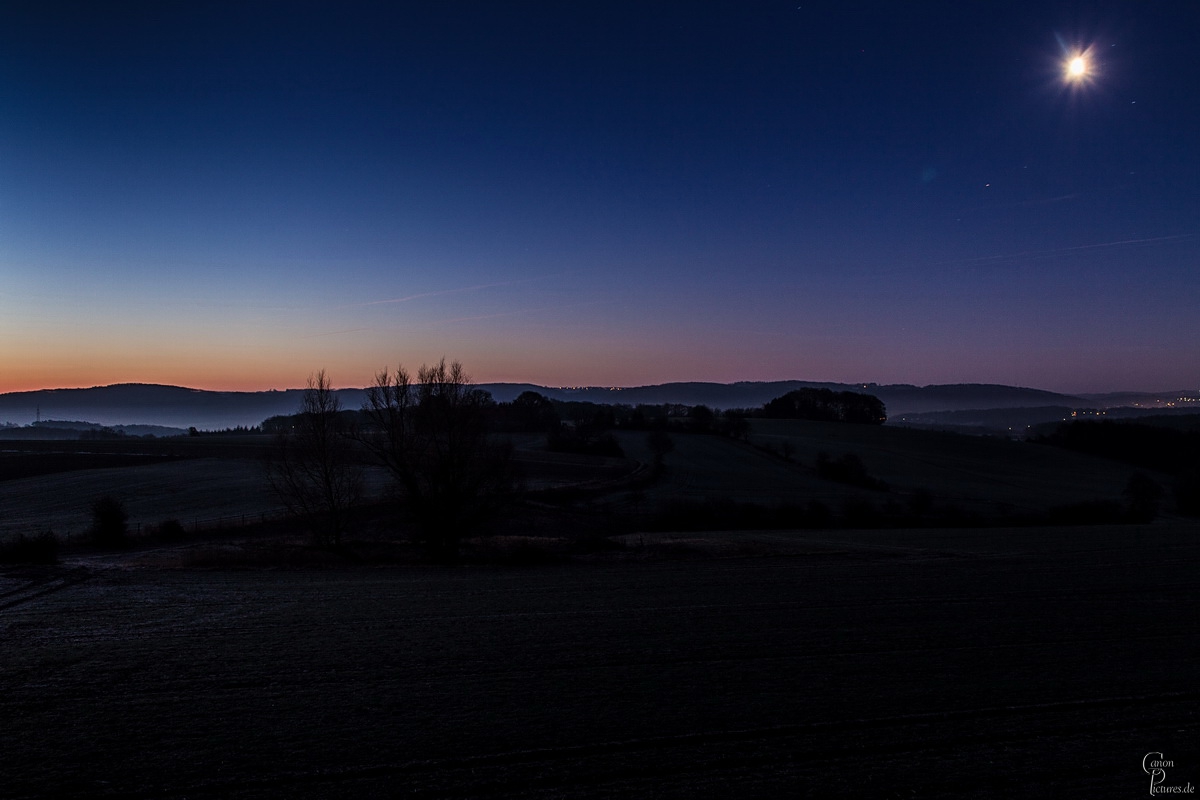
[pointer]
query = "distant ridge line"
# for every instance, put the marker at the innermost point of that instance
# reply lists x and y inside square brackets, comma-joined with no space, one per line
[183,407]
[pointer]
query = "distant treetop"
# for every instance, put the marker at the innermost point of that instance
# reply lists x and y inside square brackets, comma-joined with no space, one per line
[826,405]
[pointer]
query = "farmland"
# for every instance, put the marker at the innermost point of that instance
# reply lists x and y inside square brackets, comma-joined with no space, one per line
[201,483]
[948,662]
[974,471]
[985,476]
[209,480]
[942,663]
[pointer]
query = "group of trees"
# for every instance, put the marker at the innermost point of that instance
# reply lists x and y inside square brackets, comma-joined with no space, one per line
[315,469]
[430,434]
[826,405]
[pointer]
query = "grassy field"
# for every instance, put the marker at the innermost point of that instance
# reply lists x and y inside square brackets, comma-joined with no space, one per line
[960,468]
[981,475]
[989,662]
[935,664]
[206,489]
[190,490]
[986,477]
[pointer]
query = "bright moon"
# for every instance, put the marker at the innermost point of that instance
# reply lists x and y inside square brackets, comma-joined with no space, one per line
[1077,68]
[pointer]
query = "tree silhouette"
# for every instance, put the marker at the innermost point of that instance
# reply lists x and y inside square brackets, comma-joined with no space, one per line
[534,412]
[313,468]
[432,436]
[826,405]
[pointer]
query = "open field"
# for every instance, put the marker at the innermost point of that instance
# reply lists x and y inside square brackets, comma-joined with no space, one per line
[963,469]
[974,473]
[189,490]
[1035,662]
[173,481]
[941,663]
[202,478]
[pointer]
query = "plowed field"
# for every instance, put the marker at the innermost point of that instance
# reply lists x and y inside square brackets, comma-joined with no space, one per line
[878,664]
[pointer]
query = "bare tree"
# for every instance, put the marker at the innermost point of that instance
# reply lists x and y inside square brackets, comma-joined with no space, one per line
[314,470]
[432,436]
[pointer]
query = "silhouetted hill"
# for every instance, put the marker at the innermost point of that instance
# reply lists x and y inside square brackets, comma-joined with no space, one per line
[899,398]
[152,404]
[58,429]
[179,407]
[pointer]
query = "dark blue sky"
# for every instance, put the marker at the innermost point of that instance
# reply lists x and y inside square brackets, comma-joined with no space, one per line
[233,195]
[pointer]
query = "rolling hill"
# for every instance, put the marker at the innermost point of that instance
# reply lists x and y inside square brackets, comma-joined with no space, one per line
[180,407]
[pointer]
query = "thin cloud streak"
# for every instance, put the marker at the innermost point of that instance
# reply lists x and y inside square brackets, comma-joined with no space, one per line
[459,290]
[428,294]
[1044,253]
[515,313]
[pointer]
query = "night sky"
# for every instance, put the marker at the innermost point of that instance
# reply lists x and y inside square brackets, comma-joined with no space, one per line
[234,195]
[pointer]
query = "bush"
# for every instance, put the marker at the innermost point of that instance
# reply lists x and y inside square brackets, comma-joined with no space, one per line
[848,469]
[40,549]
[110,522]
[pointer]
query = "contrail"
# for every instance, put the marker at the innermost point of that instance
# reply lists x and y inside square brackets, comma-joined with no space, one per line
[1033,253]
[459,290]
[430,294]
[513,313]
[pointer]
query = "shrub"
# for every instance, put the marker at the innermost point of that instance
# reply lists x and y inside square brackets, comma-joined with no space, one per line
[110,521]
[848,469]
[40,549]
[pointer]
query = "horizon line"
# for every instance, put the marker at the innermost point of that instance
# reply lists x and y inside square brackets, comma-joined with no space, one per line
[612,387]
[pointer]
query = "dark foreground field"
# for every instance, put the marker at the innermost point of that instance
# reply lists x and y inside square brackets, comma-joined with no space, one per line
[1030,663]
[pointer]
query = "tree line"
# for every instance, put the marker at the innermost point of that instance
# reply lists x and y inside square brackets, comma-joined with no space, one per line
[431,432]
